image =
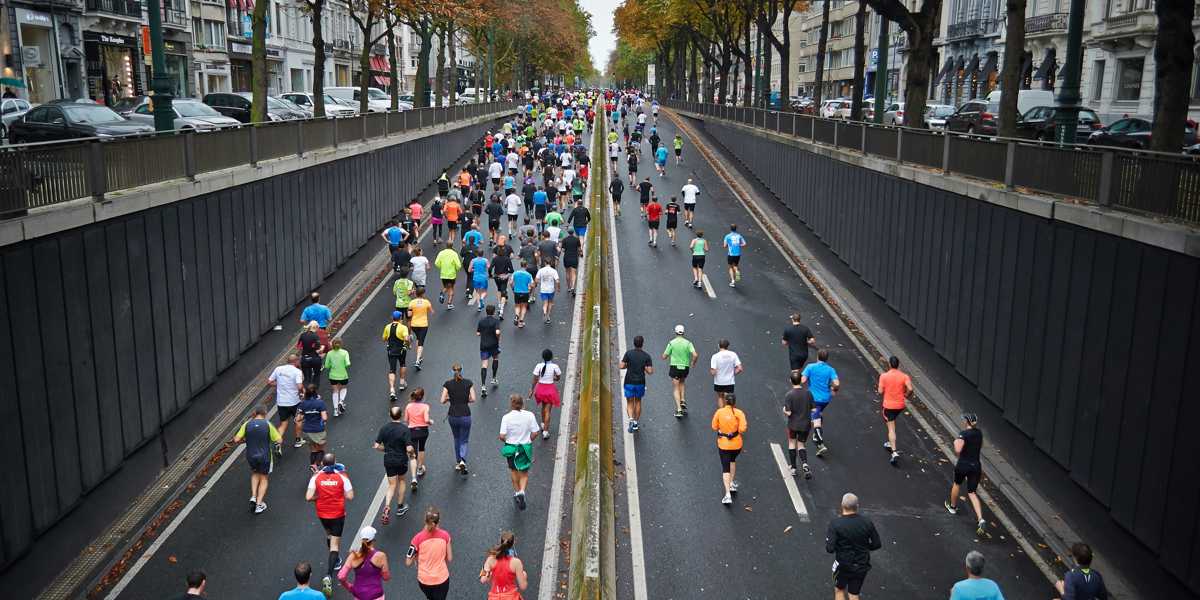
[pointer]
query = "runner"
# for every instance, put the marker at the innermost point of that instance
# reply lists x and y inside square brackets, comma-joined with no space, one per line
[572,248]
[724,366]
[495,170]
[432,552]
[395,441]
[394,235]
[672,210]
[540,198]
[690,192]
[699,248]
[681,356]
[660,160]
[733,244]
[637,365]
[397,337]
[522,284]
[730,423]
[402,289]
[478,270]
[653,212]
[504,570]
[311,416]
[458,393]
[1082,582]
[512,209]
[418,270]
[631,159]
[547,279]
[822,381]
[488,331]
[678,143]
[528,189]
[259,436]
[329,489]
[797,338]
[579,217]
[895,386]
[968,446]
[615,188]
[495,213]
[416,414]
[303,573]
[312,351]
[501,271]
[850,539]
[464,180]
[288,382]
[420,310]
[448,263]
[437,217]
[544,388]
[370,568]
[654,140]
[645,193]
[453,211]
[614,150]
[798,407]
[517,428]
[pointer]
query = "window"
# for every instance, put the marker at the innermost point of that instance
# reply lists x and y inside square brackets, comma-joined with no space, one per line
[1196,78]
[1129,78]
[215,34]
[1097,79]
[197,31]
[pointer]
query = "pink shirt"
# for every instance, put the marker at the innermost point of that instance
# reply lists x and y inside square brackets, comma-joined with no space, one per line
[431,549]
[415,209]
[417,414]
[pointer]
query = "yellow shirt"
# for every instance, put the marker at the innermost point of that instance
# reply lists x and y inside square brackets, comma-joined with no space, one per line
[420,309]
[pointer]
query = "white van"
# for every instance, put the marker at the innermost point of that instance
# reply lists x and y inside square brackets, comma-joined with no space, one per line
[377,99]
[1027,99]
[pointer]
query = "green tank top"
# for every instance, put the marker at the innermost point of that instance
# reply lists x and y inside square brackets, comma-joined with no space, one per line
[698,247]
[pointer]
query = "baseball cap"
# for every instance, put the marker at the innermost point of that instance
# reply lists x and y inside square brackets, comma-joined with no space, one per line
[367,533]
[679,330]
[396,314]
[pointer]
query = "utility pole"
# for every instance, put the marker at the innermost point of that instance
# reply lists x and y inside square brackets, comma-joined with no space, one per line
[491,65]
[160,83]
[881,71]
[1067,118]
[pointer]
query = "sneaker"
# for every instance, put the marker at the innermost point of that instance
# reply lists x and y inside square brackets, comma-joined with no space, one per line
[403,385]
[495,383]
[807,471]
[483,392]
[417,365]
[260,508]
[421,471]
[733,486]
[822,450]
[385,517]
[732,284]
[327,586]
[792,470]
[414,484]
[342,406]
[277,448]
[392,397]
[336,412]
[887,446]
[629,429]
[461,466]
[636,425]
[449,307]
[980,528]
[480,305]
[521,501]
[401,510]
[253,503]
[545,434]
[949,508]
[464,468]
[441,297]
[895,459]
[299,442]
[547,320]
[678,413]
[649,242]
[727,500]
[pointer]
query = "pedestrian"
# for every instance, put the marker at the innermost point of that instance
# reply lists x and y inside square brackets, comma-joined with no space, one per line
[645,193]
[315,311]
[447,263]
[370,567]
[850,538]
[544,388]
[615,189]
[394,235]
[699,247]
[197,581]
[672,210]
[678,143]
[895,386]
[660,160]
[478,271]
[437,217]
[302,573]
[395,441]
[797,407]
[522,285]
[415,212]
[402,289]
[730,423]
[733,244]
[822,380]
[312,350]
[495,211]
[1082,582]
[420,309]
[311,416]
[504,571]
[797,338]
[397,337]
[547,279]
[975,586]
[512,208]
[488,331]
[259,436]
[969,469]
[416,414]
[572,248]
[337,362]
[329,489]
[637,364]
[724,366]
[653,216]
[430,548]
[454,212]
[459,394]
[517,428]
[690,192]
[580,218]
[681,356]
[288,381]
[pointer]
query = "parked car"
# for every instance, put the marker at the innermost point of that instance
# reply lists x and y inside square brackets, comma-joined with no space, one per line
[1026,99]
[189,115]
[125,106]
[334,107]
[835,109]
[935,115]
[65,121]
[1132,132]
[894,115]
[975,116]
[237,105]
[11,110]
[1040,121]
[377,99]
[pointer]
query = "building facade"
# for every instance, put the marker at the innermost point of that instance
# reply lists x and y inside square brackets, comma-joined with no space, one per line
[43,49]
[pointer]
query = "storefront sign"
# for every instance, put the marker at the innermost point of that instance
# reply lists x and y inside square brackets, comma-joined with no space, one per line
[240,48]
[114,40]
[34,18]
[173,47]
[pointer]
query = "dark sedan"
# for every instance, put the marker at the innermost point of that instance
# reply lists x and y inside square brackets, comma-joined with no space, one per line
[975,116]
[237,105]
[1132,132]
[1038,123]
[51,122]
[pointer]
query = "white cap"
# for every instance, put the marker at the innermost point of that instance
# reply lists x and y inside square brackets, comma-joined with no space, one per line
[367,533]
[679,330]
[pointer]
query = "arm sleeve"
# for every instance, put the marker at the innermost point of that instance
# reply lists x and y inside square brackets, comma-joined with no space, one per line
[241,432]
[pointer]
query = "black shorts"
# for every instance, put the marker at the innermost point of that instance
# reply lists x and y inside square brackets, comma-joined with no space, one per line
[334,527]
[678,151]
[797,434]
[448,282]
[395,469]
[890,414]
[512,218]
[679,373]
[672,222]
[797,361]
[420,333]
[723,389]
[691,207]
[733,260]
[643,200]
[501,286]
[539,211]
[728,457]
[286,413]
[452,225]
[495,183]
[698,261]
[570,262]
[418,436]
[521,298]
[970,474]
[396,361]
[339,381]
[616,198]
[851,582]
[652,224]
[494,225]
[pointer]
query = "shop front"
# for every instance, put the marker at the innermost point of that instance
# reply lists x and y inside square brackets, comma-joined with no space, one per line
[240,68]
[112,67]
[39,55]
[175,55]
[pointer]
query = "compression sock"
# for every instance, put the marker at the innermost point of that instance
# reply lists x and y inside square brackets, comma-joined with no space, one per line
[818,435]
[495,367]
[333,560]
[483,376]
[803,456]
[792,457]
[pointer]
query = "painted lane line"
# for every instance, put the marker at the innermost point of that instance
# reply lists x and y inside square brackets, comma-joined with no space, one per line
[708,288]
[789,482]
[376,501]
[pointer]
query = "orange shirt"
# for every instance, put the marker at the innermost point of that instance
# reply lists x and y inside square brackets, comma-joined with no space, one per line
[431,549]
[894,384]
[729,420]
[417,414]
[452,210]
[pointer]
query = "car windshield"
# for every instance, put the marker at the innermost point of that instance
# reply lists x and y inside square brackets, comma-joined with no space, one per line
[127,103]
[278,104]
[941,111]
[91,113]
[375,94]
[993,107]
[1088,116]
[194,109]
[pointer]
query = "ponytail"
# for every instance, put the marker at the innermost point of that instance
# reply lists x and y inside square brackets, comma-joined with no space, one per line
[504,548]
[457,368]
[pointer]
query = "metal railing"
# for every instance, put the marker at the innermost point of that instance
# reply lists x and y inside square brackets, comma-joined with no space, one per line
[1156,183]
[1046,23]
[129,8]
[48,173]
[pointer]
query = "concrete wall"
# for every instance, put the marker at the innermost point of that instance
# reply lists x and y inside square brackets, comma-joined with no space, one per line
[108,330]
[1084,339]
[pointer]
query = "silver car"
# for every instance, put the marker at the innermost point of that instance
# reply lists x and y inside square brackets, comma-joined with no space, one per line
[189,114]
[334,107]
[11,110]
[935,115]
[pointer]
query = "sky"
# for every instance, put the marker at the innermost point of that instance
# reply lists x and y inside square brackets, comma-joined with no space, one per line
[602,21]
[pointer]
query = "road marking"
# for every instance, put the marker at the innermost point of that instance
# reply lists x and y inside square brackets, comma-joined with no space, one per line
[377,500]
[548,585]
[789,482]
[638,555]
[708,288]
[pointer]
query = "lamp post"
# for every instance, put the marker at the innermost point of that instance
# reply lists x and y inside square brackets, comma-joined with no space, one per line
[160,83]
[881,71]
[1067,119]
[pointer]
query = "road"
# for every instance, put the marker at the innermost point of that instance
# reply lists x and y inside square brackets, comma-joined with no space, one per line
[762,546]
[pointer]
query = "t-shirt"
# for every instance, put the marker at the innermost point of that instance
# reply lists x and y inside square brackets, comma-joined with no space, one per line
[396,335]
[976,589]
[395,439]
[312,408]
[734,242]
[672,210]
[287,385]
[479,269]
[420,309]
[698,248]
[310,344]
[636,361]
[580,216]
[820,377]
[661,154]
[452,210]
[502,266]
[547,279]
[458,395]
[420,266]
[317,312]
[644,190]
[258,435]
[518,427]
[402,289]
[395,235]
[495,210]
[494,170]
[679,352]
[299,593]
[725,362]
[728,419]
[893,384]
[546,372]
[331,489]
[555,233]
[653,211]
[799,402]
[539,197]
[1084,584]
[448,263]
[522,281]
[554,219]
[472,238]
[512,204]
[689,193]
[570,246]
[972,445]
[337,362]
[416,414]
[431,549]
[487,328]
[797,337]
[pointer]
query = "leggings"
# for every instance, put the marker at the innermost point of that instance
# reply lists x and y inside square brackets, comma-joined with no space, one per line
[436,592]
[437,229]
[461,428]
[311,368]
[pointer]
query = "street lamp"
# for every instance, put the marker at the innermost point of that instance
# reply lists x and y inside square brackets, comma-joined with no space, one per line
[1067,119]
[160,83]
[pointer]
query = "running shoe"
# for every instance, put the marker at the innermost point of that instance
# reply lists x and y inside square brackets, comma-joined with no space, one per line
[464,468]
[299,443]
[449,307]
[630,429]
[733,487]
[483,392]
[678,414]
[417,365]
[732,284]
[421,471]
[401,510]
[793,471]
[545,434]
[495,383]
[327,586]
[336,413]
[414,484]
[822,449]
[949,508]
[403,385]
[480,306]
[727,500]
[636,425]
[521,500]
[981,527]
[441,297]
[547,320]
[253,503]
[887,446]
[392,397]
[807,471]
[385,517]
[895,459]
[260,508]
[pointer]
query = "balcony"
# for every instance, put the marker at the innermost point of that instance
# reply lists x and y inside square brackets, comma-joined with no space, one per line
[124,8]
[1122,31]
[972,29]
[1046,24]
[174,17]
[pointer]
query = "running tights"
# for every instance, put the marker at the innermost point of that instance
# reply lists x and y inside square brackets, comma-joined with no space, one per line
[440,591]
[460,427]
[437,231]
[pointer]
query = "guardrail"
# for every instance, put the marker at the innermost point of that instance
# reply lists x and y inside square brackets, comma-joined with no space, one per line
[48,173]
[1161,184]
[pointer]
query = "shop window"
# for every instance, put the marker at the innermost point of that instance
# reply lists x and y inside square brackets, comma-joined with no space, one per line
[1129,78]
[1195,95]
[1097,80]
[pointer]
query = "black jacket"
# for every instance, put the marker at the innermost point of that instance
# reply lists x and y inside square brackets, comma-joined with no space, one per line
[851,538]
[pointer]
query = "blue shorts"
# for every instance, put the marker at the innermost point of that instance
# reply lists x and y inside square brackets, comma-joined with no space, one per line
[546,296]
[479,285]
[818,408]
[581,231]
[635,390]
[486,354]
[661,163]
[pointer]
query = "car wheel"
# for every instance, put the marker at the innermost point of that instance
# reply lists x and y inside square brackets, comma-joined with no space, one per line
[970,130]
[3,131]
[1041,136]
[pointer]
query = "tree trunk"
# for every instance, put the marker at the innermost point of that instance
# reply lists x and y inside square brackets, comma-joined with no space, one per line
[860,61]
[364,68]
[393,83]
[318,44]
[723,71]
[453,56]
[916,83]
[765,51]
[424,30]
[440,68]
[785,60]
[733,87]
[1173,57]
[258,66]
[693,85]
[747,65]
[680,62]
[822,46]
[1010,78]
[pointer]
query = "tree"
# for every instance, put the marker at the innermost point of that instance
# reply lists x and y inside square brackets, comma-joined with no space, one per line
[315,9]
[860,62]
[420,21]
[921,27]
[1174,54]
[784,45]
[822,47]
[390,20]
[366,14]
[258,63]
[439,73]
[1010,79]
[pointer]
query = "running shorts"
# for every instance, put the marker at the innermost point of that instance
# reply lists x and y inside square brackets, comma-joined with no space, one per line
[797,361]
[494,225]
[314,437]
[546,296]
[678,151]
[581,231]
[420,333]
[521,298]
[286,413]
[452,225]
[570,262]
[502,286]
[339,382]
[418,436]
[262,466]
[448,282]
[890,414]
[635,390]
[672,222]
[643,200]
[698,261]
[800,435]
[733,260]
[850,582]
[652,224]
[818,409]
[334,527]
[486,354]
[396,361]
[512,218]
[479,284]
[691,207]
[395,468]
[679,373]
[969,474]
[723,389]
[728,457]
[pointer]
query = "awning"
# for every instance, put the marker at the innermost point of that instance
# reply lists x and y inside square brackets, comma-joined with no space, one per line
[1047,68]
[989,64]
[945,69]
[959,63]
[382,80]
[973,66]
[12,82]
